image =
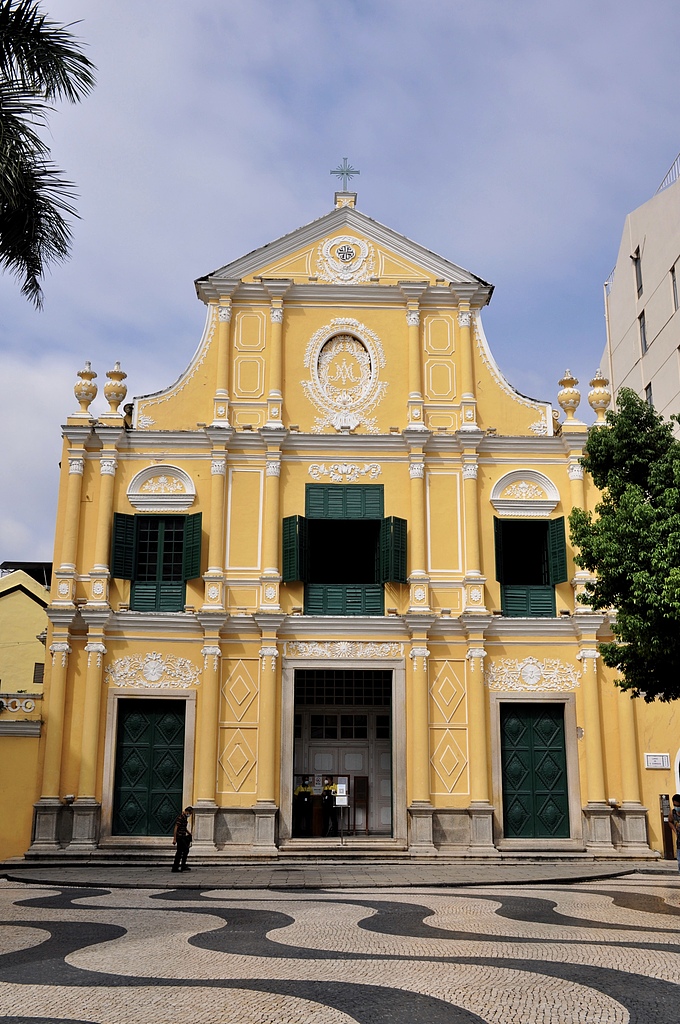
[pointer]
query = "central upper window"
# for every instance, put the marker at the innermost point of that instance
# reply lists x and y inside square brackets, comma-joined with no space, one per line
[344,550]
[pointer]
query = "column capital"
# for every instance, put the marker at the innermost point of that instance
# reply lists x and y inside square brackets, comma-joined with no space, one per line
[224,312]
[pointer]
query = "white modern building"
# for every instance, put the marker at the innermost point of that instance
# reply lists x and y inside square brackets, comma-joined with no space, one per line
[641,301]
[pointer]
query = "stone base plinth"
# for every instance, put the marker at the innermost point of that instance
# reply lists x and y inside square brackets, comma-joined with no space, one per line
[420,829]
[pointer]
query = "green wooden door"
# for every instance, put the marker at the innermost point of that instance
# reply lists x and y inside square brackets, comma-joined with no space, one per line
[534,765]
[149,767]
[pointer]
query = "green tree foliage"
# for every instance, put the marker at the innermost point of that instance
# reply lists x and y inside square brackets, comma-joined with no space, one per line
[39,62]
[633,545]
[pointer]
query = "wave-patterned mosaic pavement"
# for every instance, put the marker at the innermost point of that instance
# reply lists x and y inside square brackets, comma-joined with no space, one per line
[595,953]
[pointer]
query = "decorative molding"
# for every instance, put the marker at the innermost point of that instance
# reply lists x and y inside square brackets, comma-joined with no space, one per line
[524,494]
[161,489]
[416,470]
[64,588]
[269,652]
[419,594]
[145,422]
[97,648]
[344,358]
[273,467]
[413,317]
[211,651]
[76,466]
[270,592]
[342,649]
[224,314]
[419,652]
[98,588]
[348,471]
[470,470]
[108,467]
[540,427]
[218,467]
[575,471]
[345,259]
[145,402]
[464,318]
[475,652]
[475,594]
[17,705]
[213,592]
[62,648]
[588,653]
[276,314]
[153,670]
[531,674]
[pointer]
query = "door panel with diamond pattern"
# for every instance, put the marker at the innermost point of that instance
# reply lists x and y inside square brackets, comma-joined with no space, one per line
[149,767]
[535,796]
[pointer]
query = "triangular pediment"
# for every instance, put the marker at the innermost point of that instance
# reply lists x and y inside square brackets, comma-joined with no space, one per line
[343,247]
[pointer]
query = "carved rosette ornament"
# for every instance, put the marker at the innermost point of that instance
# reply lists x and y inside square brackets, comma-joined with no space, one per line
[531,674]
[345,260]
[153,670]
[85,389]
[344,359]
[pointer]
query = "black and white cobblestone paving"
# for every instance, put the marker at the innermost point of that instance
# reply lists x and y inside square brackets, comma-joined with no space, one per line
[605,952]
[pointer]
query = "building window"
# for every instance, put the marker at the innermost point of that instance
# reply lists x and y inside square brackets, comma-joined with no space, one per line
[353,727]
[344,550]
[158,554]
[382,727]
[323,727]
[38,673]
[531,558]
[648,395]
[643,331]
[674,288]
[637,263]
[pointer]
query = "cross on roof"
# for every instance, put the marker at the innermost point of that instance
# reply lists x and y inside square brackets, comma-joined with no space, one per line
[345,171]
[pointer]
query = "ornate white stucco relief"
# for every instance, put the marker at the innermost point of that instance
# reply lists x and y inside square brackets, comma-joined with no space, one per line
[154,671]
[524,494]
[342,649]
[345,260]
[345,471]
[161,489]
[531,674]
[344,359]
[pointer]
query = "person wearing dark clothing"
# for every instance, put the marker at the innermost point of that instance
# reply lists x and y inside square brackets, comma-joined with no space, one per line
[181,838]
[303,807]
[330,814]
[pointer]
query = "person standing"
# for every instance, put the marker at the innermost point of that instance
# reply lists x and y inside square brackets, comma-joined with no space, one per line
[674,822]
[181,838]
[303,807]
[330,814]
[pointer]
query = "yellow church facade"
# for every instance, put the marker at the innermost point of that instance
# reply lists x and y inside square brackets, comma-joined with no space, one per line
[335,548]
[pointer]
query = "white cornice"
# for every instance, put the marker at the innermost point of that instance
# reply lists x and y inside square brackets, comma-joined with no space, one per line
[511,628]
[154,623]
[510,444]
[342,627]
[209,287]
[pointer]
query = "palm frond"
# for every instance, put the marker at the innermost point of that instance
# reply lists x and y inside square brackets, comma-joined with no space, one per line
[41,56]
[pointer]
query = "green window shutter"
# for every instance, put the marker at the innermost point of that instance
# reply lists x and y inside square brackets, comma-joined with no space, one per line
[123,546]
[294,549]
[315,599]
[541,601]
[514,601]
[344,501]
[557,551]
[498,538]
[144,596]
[170,597]
[191,561]
[374,600]
[393,550]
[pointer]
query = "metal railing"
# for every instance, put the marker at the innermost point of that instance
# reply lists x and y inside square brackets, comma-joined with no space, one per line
[672,176]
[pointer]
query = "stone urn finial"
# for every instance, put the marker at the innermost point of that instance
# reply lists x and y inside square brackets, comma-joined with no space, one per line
[570,396]
[114,389]
[85,390]
[600,397]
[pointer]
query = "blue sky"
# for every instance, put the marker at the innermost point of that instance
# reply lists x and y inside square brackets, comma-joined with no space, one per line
[512,138]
